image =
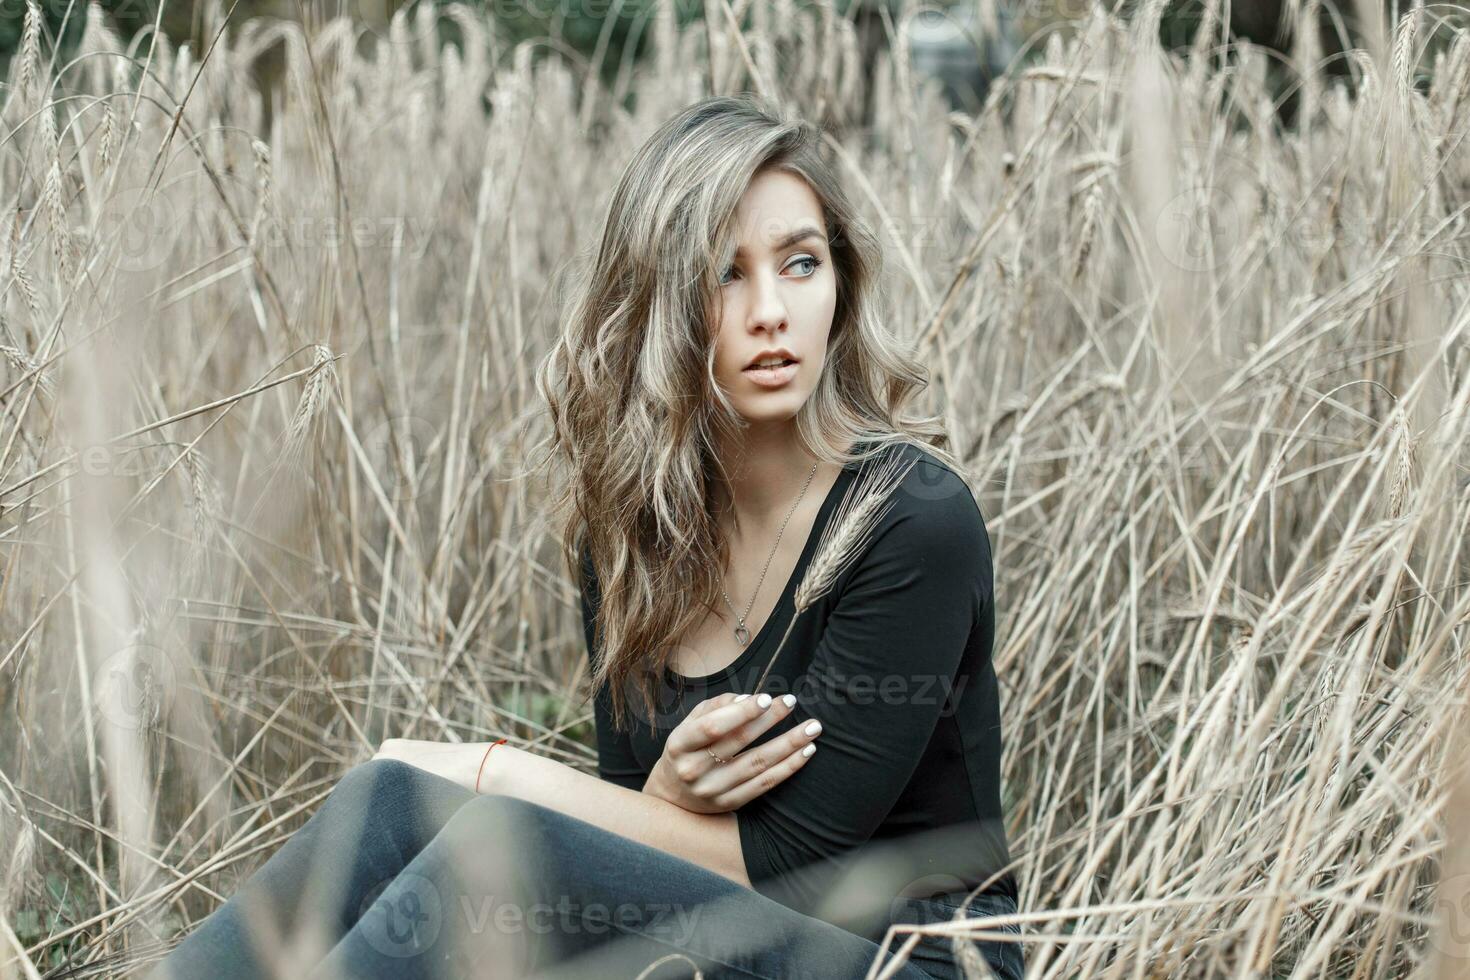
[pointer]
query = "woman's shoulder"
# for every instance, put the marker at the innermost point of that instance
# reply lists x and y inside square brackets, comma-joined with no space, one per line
[931,520]
[929,551]
[931,495]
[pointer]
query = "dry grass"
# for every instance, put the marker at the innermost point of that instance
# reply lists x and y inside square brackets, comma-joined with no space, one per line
[263,502]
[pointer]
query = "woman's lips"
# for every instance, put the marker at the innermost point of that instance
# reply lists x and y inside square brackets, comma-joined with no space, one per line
[772,377]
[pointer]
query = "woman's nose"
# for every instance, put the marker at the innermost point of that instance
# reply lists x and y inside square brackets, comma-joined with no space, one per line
[768,307]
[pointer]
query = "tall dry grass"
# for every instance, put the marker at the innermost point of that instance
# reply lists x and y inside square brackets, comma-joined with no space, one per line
[262,499]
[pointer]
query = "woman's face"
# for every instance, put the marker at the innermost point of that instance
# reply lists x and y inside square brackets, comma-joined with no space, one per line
[779,293]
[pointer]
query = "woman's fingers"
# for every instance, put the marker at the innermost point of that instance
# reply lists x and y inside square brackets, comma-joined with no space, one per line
[702,730]
[753,763]
[733,743]
[767,777]
[727,725]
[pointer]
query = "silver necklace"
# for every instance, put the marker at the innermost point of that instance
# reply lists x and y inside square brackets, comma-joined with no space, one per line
[742,635]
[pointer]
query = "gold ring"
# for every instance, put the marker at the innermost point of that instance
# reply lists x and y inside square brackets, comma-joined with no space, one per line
[715,757]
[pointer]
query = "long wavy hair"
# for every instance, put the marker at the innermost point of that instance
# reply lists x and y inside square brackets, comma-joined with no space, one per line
[630,387]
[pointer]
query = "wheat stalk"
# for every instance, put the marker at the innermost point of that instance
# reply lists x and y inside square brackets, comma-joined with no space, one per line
[22,362]
[204,506]
[862,506]
[313,397]
[1403,474]
[1091,214]
[30,52]
[51,194]
[27,285]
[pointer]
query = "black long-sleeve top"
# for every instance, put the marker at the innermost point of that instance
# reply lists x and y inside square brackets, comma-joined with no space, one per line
[895,660]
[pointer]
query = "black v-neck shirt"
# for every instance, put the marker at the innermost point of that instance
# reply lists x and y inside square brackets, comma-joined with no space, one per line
[895,660]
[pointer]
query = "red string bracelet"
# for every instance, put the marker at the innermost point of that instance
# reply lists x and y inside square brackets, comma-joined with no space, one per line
[482,763]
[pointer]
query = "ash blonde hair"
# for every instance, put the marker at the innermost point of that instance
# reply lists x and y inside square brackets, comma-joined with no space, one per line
[630,388]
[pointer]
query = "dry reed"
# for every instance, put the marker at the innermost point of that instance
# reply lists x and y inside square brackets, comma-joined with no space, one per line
[1209,376]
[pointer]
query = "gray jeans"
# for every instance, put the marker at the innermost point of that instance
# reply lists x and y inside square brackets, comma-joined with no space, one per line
[403,874]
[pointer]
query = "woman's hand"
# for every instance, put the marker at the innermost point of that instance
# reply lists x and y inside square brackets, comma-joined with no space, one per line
[457,761]
[687,775]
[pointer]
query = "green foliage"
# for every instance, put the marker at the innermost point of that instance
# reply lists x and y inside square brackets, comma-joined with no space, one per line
[552,709]
[66,902]
[65,19]
[578,24]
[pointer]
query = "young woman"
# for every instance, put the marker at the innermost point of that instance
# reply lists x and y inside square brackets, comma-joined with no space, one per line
[721,382]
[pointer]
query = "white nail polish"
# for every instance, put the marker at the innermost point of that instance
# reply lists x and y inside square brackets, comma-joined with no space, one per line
[790,700]
[813,727]
[764,700]
[741,698]
[809,749]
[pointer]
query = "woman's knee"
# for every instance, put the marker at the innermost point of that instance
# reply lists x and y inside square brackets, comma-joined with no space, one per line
[380,778]
[502,832]
[494,810]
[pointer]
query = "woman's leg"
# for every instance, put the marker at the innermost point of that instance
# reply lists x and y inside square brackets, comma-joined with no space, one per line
[512,890]
[377,818]
[942,956]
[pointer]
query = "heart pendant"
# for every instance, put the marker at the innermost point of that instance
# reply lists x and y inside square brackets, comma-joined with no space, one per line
[742,634]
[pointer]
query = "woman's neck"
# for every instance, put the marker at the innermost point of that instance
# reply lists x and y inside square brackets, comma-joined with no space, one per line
[766,471]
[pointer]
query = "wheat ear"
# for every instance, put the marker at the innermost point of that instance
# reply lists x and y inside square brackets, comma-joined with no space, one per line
[862,507]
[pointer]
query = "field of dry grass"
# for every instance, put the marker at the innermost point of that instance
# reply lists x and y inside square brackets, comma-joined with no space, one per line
[267,399]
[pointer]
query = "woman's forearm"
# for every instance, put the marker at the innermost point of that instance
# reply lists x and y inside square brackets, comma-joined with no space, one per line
[710,840]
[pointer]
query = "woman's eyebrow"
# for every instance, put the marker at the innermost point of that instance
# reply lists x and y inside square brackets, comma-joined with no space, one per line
[791,239]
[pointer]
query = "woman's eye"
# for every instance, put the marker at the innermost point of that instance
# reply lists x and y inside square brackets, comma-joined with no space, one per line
[810,260]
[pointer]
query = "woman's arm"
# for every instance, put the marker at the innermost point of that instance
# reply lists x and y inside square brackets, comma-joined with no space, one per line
[878,681]
[614,801]
[709,840]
